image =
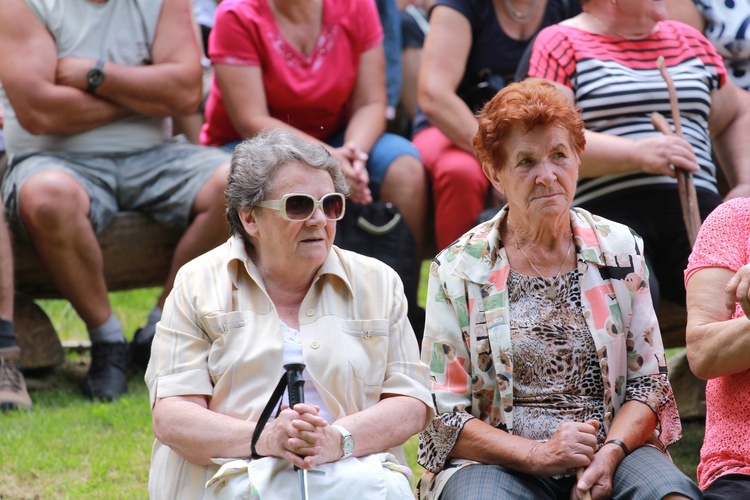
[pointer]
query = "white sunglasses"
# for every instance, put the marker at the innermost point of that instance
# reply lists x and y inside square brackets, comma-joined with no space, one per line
[300,207]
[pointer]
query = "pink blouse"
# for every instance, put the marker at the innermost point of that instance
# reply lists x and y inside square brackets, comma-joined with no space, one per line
[309,92]
[724,241]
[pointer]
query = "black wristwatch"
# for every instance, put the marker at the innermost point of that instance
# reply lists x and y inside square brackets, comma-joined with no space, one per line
[95,76]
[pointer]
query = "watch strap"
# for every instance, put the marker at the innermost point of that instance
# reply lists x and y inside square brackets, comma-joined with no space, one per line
[345,435]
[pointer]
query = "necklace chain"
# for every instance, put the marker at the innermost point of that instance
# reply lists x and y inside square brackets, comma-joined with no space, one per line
[551,292]
[518,16]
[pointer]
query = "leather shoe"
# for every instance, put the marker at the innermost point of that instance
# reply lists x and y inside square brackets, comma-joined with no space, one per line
[107,377]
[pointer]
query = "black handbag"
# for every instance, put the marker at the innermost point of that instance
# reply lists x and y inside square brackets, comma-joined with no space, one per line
[378,230]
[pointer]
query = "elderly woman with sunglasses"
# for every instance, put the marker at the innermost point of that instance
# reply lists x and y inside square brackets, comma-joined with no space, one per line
[279,292]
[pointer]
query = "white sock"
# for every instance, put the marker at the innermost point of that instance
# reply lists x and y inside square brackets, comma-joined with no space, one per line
[109,331]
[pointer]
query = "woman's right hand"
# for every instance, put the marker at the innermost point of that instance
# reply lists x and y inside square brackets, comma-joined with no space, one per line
[658,153]
[573,445]
[293,435]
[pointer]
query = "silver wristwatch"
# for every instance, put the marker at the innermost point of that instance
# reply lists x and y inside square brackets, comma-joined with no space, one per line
[347,441]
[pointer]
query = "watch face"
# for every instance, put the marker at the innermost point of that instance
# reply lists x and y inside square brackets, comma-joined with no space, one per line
[348,445]
[95,77]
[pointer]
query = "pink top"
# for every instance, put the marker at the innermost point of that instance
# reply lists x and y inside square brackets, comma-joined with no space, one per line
[310,93]
[724,241]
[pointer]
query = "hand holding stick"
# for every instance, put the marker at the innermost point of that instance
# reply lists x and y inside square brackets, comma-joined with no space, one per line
[688,197]
[585,495]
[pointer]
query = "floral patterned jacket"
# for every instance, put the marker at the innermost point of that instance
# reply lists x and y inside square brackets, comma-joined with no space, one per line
[467,342]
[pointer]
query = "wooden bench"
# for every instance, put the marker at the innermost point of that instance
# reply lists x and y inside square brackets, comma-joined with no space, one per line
[137,253]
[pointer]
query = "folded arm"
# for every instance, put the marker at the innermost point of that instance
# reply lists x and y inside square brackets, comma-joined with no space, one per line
[49,96]
[717,345]
[169,85]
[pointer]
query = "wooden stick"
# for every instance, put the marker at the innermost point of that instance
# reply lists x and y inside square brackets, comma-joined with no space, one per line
[662,125]
[688,197]
[585,495]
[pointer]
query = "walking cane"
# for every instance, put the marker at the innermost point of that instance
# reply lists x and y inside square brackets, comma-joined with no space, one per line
[295,386]
[685,186]
[586,495]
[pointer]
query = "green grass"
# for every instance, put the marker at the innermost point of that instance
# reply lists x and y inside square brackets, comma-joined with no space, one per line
[68,447]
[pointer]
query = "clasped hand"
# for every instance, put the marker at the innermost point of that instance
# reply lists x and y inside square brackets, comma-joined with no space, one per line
[300,436]
[573,446]
[354,165]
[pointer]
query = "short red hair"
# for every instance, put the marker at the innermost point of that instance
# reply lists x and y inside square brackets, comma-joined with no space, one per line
[523,106]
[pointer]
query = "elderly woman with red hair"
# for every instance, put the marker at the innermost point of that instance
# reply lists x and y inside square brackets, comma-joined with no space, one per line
[543,344]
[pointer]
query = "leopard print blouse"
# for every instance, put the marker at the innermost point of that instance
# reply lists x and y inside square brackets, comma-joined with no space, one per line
[556,370]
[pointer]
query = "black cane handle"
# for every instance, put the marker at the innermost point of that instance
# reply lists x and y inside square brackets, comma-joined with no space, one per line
[295,383]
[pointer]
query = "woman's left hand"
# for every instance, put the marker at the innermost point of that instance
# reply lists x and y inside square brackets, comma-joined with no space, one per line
[328,448]
[597,477]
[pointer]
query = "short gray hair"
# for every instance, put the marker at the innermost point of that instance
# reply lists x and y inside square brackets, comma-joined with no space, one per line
[255,162]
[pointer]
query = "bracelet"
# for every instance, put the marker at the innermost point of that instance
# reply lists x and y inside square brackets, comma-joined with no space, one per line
[620,444]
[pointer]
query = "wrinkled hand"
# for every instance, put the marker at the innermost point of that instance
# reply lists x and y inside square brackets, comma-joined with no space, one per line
[353,163]
[573,445]
[738,291]
[660,152]
[296,435]
[71,71]
[597,477]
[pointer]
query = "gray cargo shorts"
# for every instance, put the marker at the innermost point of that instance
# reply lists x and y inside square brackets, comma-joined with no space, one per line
[162,181]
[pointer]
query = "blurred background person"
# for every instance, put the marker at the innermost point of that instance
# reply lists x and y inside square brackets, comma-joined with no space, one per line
[471,51]
[88,134]
[13,392]
[725,24]
[604,60]
[316,68]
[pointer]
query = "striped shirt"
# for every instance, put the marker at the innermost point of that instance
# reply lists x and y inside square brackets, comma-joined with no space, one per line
[617,86]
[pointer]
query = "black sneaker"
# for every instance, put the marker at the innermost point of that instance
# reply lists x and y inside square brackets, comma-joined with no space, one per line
[107,377]
[140,347]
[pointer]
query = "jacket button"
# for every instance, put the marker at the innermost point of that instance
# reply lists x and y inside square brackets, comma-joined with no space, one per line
[310,312]
[314,345]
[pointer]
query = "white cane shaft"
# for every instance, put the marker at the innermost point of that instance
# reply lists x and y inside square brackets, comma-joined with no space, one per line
[302,473]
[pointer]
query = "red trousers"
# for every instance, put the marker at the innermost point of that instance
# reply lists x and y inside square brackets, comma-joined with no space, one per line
[459,187]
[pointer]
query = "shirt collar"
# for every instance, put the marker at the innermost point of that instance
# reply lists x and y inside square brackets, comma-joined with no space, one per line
[479,251]
[237,258]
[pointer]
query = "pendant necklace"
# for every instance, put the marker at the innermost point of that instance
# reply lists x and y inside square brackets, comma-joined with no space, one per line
[551,291]
[518,16]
